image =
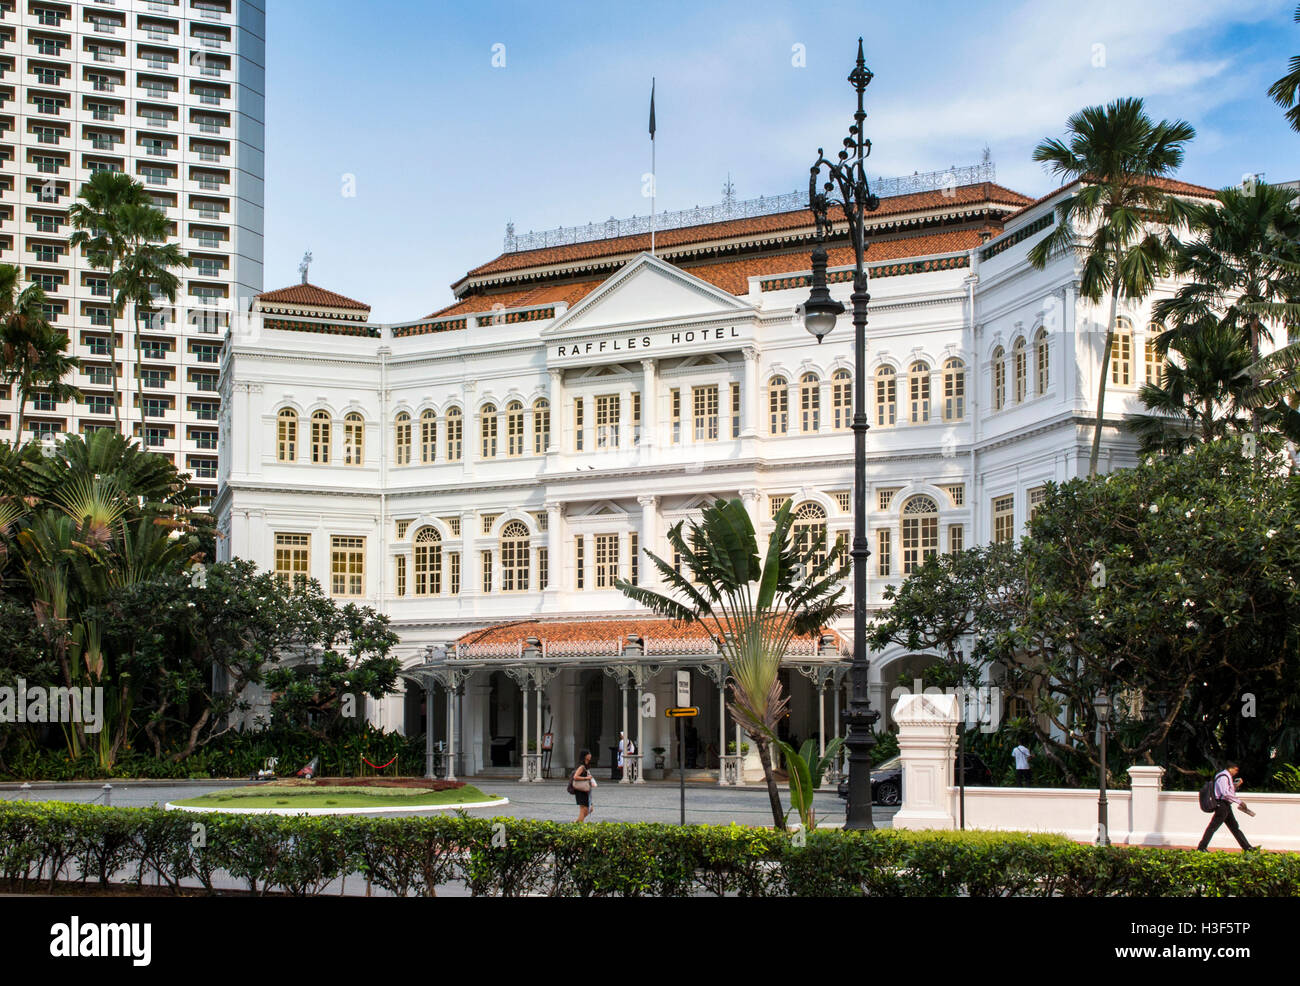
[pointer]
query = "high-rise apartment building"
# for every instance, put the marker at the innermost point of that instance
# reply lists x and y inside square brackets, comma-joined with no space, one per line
[171,92]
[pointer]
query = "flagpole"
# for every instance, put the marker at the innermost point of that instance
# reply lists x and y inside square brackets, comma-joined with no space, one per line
[654,177]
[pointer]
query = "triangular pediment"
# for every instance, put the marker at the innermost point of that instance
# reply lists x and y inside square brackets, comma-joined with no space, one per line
[647,289]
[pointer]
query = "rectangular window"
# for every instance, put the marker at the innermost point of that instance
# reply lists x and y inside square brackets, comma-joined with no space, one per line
[347,565]
[99,404]
[402,527]
[541,428]
[636,417]
[400,581]
[486,557]
[884,560]
[634,562]
[1037,497]
[488,522]
[453,570]
[577,424]
[514,431]
[675,402]
[488,427]
[704,403]
[775,503]
[735,410]
[606,560]
[580,562]
[1004,512]
[455,426]
[607,411]
[885,498]
[956,493]
[956,538]
[293,556]
[843,500]
[543,568]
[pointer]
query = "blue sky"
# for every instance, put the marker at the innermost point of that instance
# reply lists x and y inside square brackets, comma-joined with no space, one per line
[443,147]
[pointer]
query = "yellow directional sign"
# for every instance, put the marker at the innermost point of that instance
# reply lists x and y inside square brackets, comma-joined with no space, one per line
[681,712]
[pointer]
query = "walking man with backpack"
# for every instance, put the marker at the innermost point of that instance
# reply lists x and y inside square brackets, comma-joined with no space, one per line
[1218,796]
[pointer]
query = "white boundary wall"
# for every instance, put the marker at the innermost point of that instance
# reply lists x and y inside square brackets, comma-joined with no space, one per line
[1143,815]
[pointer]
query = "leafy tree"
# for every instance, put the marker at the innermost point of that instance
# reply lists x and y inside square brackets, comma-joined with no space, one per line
[752,607]
[1114,221]
[1286,90]
[1173,586]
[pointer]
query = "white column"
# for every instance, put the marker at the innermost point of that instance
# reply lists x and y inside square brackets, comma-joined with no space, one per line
[471,575]
[523,738]
[749,395]
[647,573]
[451,733]
[750,498]
[821,717]
[558,417]
[622,691]
[538,691]
[649,406]
[640,736]
[554,543]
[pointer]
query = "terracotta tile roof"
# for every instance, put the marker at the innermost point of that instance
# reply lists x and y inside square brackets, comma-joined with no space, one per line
[893,205]
[594,631]
[1168,184]
[589,631]
[570,293]
[733,275]
[309,294]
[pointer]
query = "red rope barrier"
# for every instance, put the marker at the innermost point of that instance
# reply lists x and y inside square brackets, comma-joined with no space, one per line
[378,766]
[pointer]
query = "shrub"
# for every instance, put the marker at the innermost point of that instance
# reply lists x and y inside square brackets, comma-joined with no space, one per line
[41,843]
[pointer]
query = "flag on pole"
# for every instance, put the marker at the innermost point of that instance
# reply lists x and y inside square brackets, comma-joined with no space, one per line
[652,108]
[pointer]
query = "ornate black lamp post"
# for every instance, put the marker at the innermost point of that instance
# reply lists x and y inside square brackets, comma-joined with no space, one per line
[846,187]
[1101,705]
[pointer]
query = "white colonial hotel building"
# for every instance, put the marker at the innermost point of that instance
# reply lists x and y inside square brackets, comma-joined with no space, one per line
[482,475]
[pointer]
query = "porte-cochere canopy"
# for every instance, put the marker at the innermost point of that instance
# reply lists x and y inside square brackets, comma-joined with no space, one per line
[598,641]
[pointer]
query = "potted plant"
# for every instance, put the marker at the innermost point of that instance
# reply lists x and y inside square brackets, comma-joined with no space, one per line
[731,748]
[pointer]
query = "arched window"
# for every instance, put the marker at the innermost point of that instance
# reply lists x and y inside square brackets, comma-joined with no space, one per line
[354,439]
[514,428]
[810,403]
[541,425]
[1121,353]
[919,388]
[514,557]
[999,379]
[841,399]
[778,406]
[920,531]
[455,433]
[954,390]
[809,523]
[1042,362]
[886,396]
[1155,363]
[286,435]
[428,562]
[320,437]
[428,436]
[402,439]
[1020,358]
[488,431]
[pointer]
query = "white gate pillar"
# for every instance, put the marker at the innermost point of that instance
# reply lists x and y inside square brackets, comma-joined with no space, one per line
[927,744]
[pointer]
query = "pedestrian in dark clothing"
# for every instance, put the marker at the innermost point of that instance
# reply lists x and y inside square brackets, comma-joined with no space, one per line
[1226,783]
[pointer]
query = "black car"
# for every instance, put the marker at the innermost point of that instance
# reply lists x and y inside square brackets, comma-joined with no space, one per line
[887,779]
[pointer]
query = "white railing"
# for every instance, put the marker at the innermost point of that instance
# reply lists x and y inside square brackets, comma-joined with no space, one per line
[612,228]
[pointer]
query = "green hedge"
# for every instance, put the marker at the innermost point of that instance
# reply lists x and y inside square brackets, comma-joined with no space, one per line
[41,843]
[237,755]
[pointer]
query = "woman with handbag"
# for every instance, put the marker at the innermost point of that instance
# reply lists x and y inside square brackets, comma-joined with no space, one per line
[581,783]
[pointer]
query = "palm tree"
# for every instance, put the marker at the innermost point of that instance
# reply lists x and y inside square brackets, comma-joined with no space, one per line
[97,221]
[753,608]
[144,273]
[1286,90]
[1121,160]
[1235,266]
[32,354]
[1201,395]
